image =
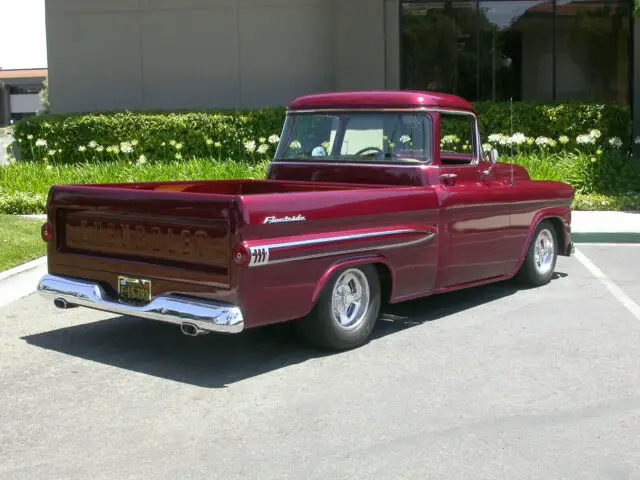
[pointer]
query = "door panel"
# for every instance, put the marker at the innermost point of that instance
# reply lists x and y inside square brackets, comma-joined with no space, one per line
[476,219]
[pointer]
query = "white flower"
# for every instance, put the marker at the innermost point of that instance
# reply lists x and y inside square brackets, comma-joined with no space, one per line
[449,139]
[99,148]
[274,139]
[250,146]
[262,149]
[405,138]
[178,156]
[217,144]
[93,144]
[615,142]
[178,146]
[51,153]
[543,141]
[563,139]
[172,142]
[134,142]
[595,133]
[262,139]
[126,147]
[142,159]
[487,147]
[82,148]
[495,137]
[585,139]
[209,142]
[41,143]
[29,137]
[518,138]
[295,144]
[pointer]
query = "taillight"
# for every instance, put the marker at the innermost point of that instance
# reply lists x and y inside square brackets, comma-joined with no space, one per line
[47,232]
[240,255]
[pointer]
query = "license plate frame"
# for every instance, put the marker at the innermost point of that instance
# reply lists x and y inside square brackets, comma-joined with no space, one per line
[134,290]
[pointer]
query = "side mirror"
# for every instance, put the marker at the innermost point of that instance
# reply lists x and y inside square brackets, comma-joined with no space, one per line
[493,155]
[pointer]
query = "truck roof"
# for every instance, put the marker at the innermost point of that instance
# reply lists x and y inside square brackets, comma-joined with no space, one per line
[380,99]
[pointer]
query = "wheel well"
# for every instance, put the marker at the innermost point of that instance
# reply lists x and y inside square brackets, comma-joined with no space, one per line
[386,282]
[559,231]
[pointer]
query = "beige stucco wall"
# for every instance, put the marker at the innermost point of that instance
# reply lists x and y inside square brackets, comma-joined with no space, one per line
[174,54]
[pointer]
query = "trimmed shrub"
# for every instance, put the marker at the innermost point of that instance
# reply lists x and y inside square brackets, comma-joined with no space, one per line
[227,134]
[539,119]
[156,135]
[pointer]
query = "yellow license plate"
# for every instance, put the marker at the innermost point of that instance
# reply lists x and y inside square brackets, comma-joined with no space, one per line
[134,290]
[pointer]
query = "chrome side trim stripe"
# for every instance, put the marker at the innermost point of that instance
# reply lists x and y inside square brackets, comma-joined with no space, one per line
[340,238]
[269,261]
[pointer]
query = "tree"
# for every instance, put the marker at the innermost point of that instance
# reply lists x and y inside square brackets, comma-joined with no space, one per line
[44,97]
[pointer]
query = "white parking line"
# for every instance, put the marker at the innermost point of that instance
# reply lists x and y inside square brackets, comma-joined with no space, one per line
[615,290]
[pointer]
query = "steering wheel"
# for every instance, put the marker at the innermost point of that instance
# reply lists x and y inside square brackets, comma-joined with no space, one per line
[373,149]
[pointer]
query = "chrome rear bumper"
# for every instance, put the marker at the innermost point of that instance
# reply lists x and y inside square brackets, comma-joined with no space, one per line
[205,315]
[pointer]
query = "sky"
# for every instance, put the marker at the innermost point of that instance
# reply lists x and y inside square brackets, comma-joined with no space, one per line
[24,43]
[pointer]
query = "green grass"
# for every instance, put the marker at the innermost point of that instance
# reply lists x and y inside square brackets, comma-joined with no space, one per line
[20,241]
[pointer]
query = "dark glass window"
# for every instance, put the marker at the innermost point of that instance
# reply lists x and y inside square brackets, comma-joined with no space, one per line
[439,46]
[592,50]
[521,49]
[516,50]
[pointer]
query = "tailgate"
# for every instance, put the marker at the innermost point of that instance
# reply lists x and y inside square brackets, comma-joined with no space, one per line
[176,237]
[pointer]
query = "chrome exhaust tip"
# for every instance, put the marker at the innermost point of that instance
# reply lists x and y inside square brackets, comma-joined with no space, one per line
[63,304]
[191,330]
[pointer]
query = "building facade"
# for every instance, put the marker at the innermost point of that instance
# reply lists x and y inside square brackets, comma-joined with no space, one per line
[20,94]
[203,54]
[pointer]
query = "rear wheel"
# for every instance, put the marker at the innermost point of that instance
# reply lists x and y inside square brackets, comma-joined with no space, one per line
[347,310]
[540,262]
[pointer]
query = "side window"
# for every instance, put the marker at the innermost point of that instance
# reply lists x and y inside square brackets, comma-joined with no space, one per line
[457,139]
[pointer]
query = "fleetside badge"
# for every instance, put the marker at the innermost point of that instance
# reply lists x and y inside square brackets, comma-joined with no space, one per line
[273,219]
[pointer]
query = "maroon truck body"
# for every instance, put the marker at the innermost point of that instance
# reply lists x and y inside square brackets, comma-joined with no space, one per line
[226,256]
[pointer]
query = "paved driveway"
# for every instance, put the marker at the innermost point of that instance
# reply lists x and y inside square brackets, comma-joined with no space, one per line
[489,383]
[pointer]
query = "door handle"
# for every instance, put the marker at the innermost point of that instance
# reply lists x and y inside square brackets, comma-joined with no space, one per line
[449,178]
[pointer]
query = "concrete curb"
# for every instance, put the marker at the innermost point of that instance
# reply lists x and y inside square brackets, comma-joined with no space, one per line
[605,237]
[25,267]
[21,281]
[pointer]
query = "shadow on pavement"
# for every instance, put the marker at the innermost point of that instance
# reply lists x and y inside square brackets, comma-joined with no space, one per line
[215,361]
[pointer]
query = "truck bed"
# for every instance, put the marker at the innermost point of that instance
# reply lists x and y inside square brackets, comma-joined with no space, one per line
[180,235]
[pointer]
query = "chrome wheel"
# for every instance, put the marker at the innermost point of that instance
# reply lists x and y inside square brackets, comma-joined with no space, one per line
[350,299]
[544,251]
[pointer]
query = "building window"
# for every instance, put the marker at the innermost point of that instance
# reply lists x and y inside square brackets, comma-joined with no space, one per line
[592,50]
[439,43]
[520,49]
[516,50]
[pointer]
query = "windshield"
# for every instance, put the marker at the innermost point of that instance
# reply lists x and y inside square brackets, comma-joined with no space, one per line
[394,137]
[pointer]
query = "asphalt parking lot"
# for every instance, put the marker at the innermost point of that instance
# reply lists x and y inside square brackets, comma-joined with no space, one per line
[494,382]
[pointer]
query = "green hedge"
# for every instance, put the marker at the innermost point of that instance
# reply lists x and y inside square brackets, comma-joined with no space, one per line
[537,119]
[222,134]
[156,135]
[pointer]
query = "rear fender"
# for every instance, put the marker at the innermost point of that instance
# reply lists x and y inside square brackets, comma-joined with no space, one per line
[558,214]
[352,262]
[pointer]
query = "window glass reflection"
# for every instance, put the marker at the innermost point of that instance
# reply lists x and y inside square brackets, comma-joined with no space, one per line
[516,50]
[592,50]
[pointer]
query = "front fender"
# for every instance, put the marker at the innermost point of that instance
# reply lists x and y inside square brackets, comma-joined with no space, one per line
[561,217]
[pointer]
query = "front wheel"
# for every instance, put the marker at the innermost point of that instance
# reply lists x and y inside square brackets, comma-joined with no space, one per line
[347,310]
[540,262]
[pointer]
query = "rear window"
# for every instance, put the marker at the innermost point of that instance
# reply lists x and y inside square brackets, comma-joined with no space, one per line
[390,137]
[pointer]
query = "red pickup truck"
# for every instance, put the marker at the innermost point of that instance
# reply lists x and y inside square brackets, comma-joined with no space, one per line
[372,197]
